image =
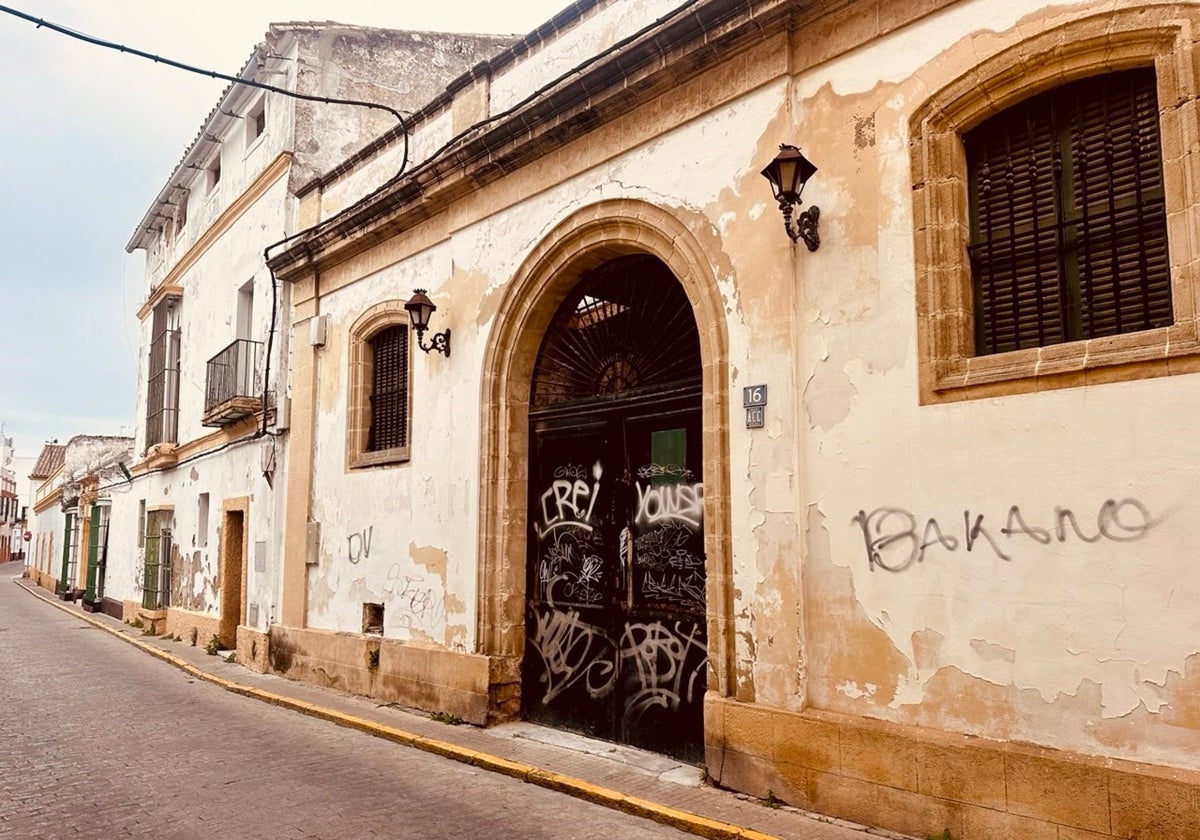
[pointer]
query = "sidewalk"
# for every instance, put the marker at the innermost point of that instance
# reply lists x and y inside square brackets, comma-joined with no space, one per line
[630,780]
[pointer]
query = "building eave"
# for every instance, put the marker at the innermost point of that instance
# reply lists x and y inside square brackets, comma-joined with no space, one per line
[646,67]
[199,149]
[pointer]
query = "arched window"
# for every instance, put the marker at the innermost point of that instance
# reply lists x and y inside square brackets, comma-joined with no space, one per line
[1052,208]
[379,402]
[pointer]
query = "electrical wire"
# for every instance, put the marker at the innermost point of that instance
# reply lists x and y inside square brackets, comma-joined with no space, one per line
[237,80]
[403,127]
[213,74]
[227,445]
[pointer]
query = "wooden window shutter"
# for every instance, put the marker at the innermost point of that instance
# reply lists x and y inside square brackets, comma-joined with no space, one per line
[1068,222]
[389,390]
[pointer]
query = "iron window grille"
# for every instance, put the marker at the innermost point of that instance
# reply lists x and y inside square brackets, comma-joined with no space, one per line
[156,573]
[389,389]
[626,329]
[1068,216]
[162,400]
[70,559]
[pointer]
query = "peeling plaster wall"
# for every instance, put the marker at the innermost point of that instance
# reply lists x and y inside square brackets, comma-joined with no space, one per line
[402,69]
[430,505]
[401,535]
[209,309]
[1081,641]
[196,582]
[598,30]
[1020,624]
[241,163]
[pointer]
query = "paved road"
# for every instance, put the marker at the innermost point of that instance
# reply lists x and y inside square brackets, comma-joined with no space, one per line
[98,740]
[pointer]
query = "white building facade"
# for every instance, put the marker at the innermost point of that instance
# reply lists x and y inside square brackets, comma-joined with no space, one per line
[195,544]
[898,529]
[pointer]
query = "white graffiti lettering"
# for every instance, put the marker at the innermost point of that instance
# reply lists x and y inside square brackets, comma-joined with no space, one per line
[569,503]
[572,650]
[682,503]
[667,664]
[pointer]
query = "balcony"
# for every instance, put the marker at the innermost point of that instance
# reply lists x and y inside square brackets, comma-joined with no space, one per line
[233,386]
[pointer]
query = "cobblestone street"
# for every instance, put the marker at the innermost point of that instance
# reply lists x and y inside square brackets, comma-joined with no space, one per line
[101,741]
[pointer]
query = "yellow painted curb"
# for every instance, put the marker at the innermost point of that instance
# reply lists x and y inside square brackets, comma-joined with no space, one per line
[580,789]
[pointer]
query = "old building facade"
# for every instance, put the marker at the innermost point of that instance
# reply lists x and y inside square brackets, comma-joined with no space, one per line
[45,517]
[896,529]
[196,542]
[71,512]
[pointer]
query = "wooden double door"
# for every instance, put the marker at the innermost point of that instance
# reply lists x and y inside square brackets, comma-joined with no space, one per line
[616,643]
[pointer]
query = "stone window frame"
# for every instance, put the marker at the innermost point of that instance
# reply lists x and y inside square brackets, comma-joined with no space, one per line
[947,367]
[379,317]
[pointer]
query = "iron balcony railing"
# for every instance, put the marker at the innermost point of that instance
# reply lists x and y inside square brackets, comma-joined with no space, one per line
[234,375]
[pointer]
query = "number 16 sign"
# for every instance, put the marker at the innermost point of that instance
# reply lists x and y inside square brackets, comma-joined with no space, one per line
[754,399]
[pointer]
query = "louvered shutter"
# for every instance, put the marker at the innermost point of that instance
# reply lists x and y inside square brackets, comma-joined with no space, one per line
[1068,226]
[389,390]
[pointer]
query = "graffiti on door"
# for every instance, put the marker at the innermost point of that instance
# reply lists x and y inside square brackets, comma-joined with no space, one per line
[571,566]
[669,548]
[661,664]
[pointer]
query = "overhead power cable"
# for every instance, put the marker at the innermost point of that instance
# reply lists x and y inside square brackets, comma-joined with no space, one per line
[42,23]
[237,80]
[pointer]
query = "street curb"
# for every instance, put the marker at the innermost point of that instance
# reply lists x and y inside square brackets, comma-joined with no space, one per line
[578,788]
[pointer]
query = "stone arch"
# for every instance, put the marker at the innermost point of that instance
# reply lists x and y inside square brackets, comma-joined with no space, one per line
[584,240]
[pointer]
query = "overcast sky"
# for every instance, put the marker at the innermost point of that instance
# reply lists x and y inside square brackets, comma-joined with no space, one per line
[87,138]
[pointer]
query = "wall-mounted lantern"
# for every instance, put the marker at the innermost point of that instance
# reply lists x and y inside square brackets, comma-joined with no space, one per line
[788,174]
[419,308]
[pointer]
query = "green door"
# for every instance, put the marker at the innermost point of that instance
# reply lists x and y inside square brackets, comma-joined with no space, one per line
[96,544]
[66,581]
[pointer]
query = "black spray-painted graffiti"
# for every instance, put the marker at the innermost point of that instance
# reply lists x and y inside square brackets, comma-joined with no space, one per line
[569,500]
[418,602]
[358,544]
[894,542]
[665,664]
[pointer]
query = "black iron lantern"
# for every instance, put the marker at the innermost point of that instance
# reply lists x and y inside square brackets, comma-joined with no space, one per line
[420,308]
[788,173]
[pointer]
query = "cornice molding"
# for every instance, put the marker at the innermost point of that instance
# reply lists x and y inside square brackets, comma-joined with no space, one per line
[44,504]
[161,292]
[197,446]
[636,73]
[228,217]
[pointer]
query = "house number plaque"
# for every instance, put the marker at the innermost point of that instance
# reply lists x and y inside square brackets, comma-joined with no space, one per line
[754,399]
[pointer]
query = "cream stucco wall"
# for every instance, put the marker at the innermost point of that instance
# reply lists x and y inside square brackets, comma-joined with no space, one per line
[1019,625]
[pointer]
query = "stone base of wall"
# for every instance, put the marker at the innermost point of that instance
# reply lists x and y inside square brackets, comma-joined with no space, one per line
[407,673]
[253,649]
[44,580]
[112,607]
[153,622]
[921,782]
[194,628]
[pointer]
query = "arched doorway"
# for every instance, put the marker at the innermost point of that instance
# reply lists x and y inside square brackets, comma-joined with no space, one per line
[615,621]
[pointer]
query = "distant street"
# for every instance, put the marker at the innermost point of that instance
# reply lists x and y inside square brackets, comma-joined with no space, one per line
[99,740]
